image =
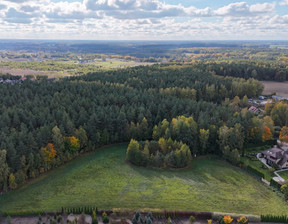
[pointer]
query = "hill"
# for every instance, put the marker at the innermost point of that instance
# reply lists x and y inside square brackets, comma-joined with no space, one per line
[105,180]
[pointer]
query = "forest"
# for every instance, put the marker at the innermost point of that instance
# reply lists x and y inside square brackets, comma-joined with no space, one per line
[196,109]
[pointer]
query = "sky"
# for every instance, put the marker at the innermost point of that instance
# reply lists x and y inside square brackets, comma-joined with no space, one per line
[144,19]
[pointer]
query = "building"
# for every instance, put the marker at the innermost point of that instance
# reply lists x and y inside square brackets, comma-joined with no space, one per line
[255,110]
[278,98]
[276,157]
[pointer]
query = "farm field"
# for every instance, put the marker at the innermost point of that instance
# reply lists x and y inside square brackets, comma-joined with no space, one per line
[105,180]
[63,68]
[281,88]
[22,72]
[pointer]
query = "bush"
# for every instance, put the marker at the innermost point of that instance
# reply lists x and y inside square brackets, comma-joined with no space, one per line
[191,219]
[105,218]
[8,220]
[242,219]
[271,170]
[82,218]
[274,218]
[94,217]
[169,220]
[59,218]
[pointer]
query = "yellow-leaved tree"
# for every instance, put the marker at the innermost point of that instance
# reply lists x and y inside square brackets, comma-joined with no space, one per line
[72,144]
[284,134]
[267,134]
[50,152]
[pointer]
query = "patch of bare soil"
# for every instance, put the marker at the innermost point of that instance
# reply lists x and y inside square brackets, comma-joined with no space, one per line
[281,88]
[21,72]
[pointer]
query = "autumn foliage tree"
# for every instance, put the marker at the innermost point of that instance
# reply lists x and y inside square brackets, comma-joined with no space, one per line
[12,182]
[284,134]
[72,144]
[50,152]
[267,134]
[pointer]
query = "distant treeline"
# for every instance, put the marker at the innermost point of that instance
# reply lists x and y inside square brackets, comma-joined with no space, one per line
[133,48]
[247,69]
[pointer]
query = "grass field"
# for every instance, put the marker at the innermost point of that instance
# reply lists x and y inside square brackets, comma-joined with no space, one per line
[281,88]
[104,180]
[284,174]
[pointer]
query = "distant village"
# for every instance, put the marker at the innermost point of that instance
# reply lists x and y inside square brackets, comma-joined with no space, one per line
[21,80]
[259,103]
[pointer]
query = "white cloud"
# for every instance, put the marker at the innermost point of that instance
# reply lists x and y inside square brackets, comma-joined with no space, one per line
[243,9]
[262,8]
[144,19]
[284,2]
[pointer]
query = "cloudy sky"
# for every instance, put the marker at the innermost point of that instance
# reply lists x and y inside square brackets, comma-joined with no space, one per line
[144,19]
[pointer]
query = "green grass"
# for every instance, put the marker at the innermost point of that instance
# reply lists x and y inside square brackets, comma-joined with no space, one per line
[284,174]
[103,179]
[256,164]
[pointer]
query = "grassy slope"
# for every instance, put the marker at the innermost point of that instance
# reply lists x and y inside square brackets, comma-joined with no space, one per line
[103,179]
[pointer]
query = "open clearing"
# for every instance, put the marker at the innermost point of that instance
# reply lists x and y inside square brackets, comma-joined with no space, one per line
[281,88]
[22,72]
[105,180]
[64,68]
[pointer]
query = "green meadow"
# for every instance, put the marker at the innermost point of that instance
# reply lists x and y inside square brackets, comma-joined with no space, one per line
[105,180]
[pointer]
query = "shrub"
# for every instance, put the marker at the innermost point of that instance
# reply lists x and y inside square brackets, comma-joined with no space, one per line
[8,220]
[191,219]
[105,218]
[82,218]
[94,217]
[59,218]
[274,218]
[271,170]
[242,219]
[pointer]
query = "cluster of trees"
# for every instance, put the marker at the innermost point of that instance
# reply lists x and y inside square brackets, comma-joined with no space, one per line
[279,112]
[182,128]
[161,153]
[35,163]
[109,107]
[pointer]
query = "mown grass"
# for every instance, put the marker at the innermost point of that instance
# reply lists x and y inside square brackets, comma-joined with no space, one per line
[284,174]
[105,180]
